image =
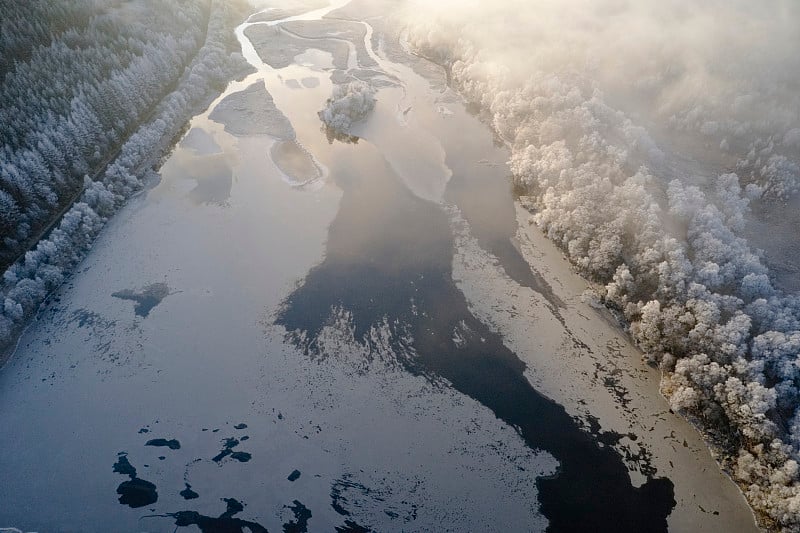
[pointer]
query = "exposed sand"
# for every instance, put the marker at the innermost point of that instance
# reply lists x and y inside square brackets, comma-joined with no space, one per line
[295,162]
[338,29]
[252,112]
[277,48]
[388,39]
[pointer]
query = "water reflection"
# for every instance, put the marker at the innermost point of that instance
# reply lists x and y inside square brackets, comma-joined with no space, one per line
[200,142]
[389,264]
[212,176]
[295,162]
[388,261]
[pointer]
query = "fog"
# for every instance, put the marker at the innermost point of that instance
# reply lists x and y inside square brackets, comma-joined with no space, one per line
[656,143]
[677,61]
[723,73]
[649,139]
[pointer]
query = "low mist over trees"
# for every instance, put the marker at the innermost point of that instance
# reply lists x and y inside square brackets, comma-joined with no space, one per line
[641,134]
[91,93]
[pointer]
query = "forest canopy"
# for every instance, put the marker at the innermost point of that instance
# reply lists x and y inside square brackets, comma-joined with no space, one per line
[91,95]
[646,139]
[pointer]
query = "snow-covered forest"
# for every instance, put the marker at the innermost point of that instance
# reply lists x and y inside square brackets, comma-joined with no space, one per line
[645,137]
[91,94]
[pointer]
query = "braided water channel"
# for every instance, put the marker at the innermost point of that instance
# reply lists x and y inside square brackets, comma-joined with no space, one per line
[279,336]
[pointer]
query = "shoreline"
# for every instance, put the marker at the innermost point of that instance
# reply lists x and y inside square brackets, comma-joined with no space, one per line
[537,241]
[532,231]
[145,170]
[642,379]
[578,356]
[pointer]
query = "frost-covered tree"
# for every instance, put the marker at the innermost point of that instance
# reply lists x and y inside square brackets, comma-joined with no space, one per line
[349,103]
[77,79]
[577,105]
[90,97]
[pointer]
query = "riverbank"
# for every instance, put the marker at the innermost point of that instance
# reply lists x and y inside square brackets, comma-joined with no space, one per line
[578,356]
[368,352]
[28,282]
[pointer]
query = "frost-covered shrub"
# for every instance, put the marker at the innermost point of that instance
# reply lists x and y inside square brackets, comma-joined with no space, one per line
[349,103]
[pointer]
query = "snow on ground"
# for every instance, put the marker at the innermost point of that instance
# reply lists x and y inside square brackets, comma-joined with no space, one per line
[164,334]
[186,351]
[577,356]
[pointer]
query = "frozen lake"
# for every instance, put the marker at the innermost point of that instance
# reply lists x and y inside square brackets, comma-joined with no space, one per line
[295,332]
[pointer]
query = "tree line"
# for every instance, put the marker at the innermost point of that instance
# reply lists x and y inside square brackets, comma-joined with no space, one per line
[91,95]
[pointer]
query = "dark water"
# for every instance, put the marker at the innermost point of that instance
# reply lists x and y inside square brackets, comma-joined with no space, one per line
[389,257]
[482,192]
[172,444]
[146,299]
[228,451]
[136,492]
[224,523]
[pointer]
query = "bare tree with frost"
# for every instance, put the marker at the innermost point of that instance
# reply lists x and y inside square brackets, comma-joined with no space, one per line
[349,103]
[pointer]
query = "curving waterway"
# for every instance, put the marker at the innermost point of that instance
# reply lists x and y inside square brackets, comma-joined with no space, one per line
[280,335]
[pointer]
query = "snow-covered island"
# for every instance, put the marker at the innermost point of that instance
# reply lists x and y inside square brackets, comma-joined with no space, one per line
[349,103]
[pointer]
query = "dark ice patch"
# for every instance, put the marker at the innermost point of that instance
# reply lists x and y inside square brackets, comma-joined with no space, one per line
[188,493]
[227,451]
[301,517]
[224,523]
[172,444]
[147,299]
[123,466]
[242,457]
[135,492]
